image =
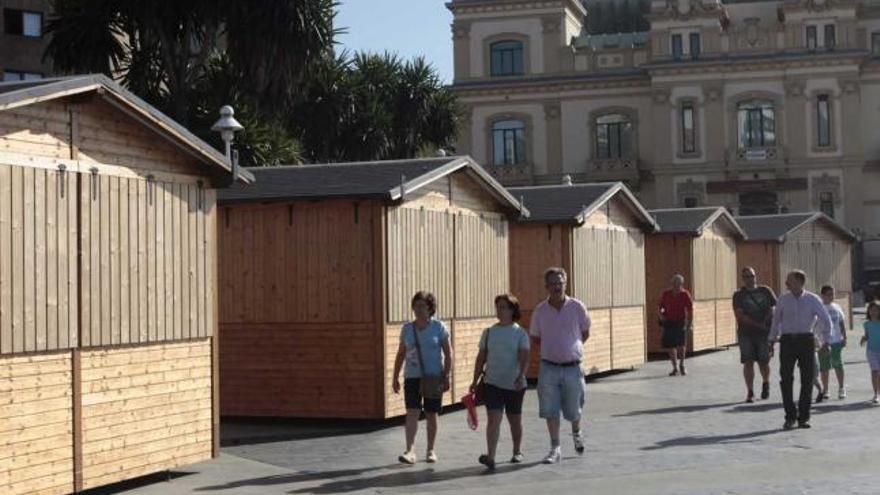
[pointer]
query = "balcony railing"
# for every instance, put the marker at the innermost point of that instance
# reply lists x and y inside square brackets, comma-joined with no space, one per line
[614,168]
[519,174]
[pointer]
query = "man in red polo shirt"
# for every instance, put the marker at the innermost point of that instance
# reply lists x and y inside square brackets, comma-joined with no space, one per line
[676,318]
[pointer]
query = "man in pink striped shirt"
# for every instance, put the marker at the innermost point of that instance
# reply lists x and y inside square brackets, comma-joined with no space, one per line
[561,325]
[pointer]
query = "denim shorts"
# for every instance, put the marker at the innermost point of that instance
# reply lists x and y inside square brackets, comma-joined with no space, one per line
[561,389]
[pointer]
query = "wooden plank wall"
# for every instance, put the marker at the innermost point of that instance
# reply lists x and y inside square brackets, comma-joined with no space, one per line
[299,369]
[822,253]
[421,254]
[279,261]
[704,334]
[762,256]
[36,421]
[629,344]
[592,248]
[146,408]
[146,276]
[665,255]
[597,350]
[38,272]
[482,270]
[298,331]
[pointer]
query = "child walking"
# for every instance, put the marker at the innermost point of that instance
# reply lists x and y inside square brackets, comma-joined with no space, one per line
[832,357]
[872,339]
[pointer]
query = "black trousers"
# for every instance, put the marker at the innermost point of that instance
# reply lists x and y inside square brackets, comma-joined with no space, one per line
[797,349]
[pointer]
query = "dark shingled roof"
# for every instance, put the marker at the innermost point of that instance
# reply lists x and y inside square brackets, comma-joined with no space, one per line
[573,203]
[691,221]
[377,180]
[777,227]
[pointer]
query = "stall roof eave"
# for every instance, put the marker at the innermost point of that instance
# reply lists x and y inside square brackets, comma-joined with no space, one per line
[390,181]
[573,204]
[693,221]
[777,227]
[15,94]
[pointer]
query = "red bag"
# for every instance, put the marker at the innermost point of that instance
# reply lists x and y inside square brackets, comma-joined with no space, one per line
[470,402]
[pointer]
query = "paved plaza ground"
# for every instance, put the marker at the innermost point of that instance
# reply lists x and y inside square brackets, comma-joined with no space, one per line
[647,434]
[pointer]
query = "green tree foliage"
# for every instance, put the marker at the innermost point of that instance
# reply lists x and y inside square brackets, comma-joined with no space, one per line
[372,107]
[273,61]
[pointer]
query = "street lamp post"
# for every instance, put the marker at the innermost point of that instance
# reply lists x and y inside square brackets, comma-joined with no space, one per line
[227,126]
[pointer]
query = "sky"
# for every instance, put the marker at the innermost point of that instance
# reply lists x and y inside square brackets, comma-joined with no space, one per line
[407,27]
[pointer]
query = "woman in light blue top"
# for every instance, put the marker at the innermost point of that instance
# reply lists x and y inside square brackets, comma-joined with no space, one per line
[424,346]
[502,362]
[872,338]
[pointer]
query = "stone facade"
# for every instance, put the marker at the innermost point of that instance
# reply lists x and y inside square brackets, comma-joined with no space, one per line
[759,106]
[22,42]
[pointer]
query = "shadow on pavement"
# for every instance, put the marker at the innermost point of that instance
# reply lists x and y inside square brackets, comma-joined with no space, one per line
[300,477]
[401,476]
[850,406]
[754,408]
[677,409]
[692,441]
[124,486]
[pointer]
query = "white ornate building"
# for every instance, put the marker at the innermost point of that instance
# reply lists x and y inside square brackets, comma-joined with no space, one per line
[760,106]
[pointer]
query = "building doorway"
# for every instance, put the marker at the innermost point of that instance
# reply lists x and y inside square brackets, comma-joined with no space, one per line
[758,203]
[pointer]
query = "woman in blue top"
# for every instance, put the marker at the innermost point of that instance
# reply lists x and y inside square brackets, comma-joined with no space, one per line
[502,362]
[433,346]
[872,338]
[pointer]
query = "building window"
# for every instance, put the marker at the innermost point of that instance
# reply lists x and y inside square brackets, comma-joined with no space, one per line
[12,75]
[688,136]
[509,142]
[677,46]
[830,36]
[826,203]
[875,44]
[823,121]
[613,136]
[756,123]
[695,45]
[506,58]
[23,23]
[812,38]
[691,202]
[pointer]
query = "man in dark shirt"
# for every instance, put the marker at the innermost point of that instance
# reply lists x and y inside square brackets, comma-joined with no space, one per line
[753,307]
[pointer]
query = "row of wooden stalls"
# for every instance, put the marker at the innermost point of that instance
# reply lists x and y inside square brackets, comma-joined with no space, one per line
[108,301]
[134,311]
[318,264]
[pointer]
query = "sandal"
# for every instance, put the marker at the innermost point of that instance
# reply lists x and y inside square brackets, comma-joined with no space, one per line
[484,460]
[673,373]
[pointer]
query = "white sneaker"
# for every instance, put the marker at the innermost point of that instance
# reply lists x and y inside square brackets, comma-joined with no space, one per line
[408,457]
[841,393]
[431,457]
[875,400]
[553,456]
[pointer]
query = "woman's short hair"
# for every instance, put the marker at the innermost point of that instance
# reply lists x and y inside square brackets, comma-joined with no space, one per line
[678,277]
[512,303]
[872,305]
[428,298]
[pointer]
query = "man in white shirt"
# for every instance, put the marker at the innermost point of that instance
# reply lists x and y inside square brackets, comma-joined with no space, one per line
[799,313]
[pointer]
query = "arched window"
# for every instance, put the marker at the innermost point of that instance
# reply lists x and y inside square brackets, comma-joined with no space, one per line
[509,142]
[613,136]
[506,58]
[756,124]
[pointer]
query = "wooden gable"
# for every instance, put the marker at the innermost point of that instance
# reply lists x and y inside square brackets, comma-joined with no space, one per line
[91,130]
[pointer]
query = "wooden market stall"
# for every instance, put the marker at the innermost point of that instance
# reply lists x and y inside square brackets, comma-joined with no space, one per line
[700,244]
[318,266]
[107,277]
[596,232]
[812,242]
